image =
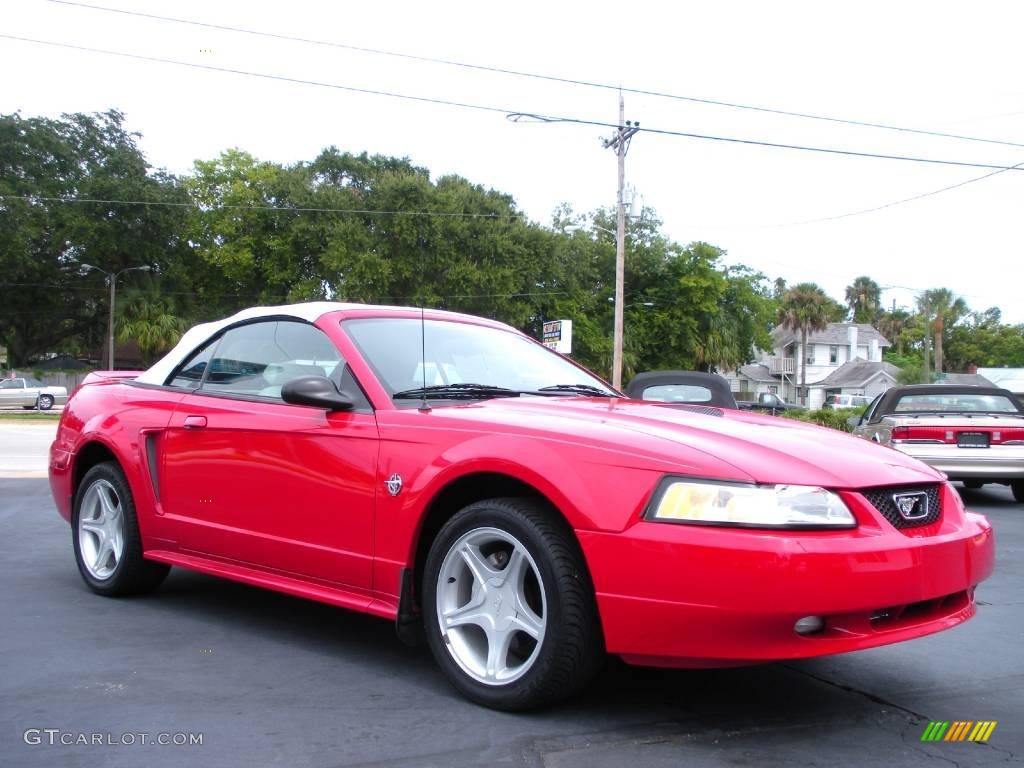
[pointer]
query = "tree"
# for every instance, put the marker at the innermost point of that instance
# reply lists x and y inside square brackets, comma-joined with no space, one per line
[864,299]
[892,325]
[946,310]
[983,340]
[806,308]
[149,318]
[54,178]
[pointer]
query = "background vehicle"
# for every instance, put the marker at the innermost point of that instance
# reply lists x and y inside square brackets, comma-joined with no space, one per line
[770,402]
[519,513]
[836,402]
[682,387]
[31,393]
[974,434]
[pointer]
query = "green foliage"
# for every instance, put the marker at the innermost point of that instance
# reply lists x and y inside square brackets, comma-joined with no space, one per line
[982,340]
[91,158]
[864,298]
[836,419]
[241,231]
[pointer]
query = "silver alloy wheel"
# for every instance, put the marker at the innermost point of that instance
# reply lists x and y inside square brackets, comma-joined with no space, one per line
[101,530]
[45,402]
[491,606]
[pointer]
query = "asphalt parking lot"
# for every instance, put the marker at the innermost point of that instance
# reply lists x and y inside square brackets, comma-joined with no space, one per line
[272,680]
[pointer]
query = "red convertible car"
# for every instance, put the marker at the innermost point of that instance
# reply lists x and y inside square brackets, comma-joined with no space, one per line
[452,475]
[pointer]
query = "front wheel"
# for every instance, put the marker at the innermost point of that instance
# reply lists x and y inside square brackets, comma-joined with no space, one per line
[508,605]
[1018,490]
[105,531]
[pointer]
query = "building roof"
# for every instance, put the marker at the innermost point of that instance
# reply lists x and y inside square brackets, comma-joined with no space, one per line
[969,379]
[757,372]
[1007,378]
[856,373]
[835,333]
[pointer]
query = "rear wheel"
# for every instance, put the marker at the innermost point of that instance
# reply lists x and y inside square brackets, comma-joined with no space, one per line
[508,606]
[1018,490]
[45,402]
[105,531]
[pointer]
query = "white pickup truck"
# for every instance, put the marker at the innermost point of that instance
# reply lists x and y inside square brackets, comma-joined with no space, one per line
[31,393]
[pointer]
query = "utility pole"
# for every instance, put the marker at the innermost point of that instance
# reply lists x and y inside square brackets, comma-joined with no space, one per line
[112,280]
[620,143]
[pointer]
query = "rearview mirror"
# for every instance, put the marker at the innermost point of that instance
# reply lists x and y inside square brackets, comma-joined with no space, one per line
[317,391]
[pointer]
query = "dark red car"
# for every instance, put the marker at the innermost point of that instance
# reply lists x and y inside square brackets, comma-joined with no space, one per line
[452,475]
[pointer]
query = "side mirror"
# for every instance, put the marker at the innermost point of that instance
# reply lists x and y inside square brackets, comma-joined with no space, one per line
[854,421]
[317,391]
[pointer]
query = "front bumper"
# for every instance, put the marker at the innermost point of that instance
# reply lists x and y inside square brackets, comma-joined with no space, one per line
[1000,462]
[689,596]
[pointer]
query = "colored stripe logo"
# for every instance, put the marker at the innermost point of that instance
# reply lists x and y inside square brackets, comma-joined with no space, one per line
[959,730]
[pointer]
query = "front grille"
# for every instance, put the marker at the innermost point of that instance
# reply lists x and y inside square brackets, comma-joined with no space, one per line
[882,500]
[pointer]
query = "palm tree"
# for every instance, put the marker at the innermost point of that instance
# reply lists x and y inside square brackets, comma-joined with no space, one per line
[149,320]
[946,309]
[864,298]
[892,324]
[805,308]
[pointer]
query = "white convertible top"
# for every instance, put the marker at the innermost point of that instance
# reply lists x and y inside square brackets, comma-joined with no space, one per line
[308,311]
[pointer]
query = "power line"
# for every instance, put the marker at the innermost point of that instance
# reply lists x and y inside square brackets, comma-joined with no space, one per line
[908,199]
[507,111]
[539,76]
[282,208]
[874,209]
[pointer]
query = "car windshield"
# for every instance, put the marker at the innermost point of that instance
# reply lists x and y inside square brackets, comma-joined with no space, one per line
[407,354]
[954,402]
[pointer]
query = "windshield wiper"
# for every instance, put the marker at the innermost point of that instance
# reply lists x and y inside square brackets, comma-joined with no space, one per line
[582,389]
[461,391]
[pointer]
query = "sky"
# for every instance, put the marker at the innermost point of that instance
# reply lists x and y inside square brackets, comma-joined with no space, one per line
[937,66]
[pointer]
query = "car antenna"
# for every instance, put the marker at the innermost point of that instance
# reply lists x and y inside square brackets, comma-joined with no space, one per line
[423,361]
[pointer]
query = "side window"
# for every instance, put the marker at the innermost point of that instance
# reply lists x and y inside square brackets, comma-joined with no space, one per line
[190,373]
[11,384]
[259,358]
[870,410]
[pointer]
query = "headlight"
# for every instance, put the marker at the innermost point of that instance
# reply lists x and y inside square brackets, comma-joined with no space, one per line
[705,502]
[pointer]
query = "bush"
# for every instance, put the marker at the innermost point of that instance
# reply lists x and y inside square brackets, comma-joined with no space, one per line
[826,417]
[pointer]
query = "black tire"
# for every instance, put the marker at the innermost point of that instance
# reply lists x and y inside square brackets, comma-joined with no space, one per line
[571,650]
[130,574]
[44,402]
[1017,486]
[973,484]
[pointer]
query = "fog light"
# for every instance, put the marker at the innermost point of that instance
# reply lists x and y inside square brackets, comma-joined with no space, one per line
[809,625]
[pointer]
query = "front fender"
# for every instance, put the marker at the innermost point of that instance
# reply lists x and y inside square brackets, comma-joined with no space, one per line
[593,490]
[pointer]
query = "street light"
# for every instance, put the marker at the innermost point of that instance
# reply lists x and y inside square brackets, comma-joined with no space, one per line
[634,303]
[112,279]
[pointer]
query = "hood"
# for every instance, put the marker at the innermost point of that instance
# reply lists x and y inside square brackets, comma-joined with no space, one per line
[736,445]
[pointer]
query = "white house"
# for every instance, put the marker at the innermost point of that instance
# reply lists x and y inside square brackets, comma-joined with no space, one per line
[844,358]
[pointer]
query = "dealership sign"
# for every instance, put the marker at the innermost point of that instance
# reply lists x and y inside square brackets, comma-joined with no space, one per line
[558,335]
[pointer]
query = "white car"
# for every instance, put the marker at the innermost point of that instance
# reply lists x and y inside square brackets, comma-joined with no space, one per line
[31,393]
[836,402]
[973,434]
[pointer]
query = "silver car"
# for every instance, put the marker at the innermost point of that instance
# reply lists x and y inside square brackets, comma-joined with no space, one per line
[973,434]
[31,393]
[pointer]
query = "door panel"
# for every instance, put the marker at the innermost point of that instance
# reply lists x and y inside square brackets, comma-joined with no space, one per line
[274,485]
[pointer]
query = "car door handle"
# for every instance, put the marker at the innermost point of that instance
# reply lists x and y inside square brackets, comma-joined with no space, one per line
[195,422]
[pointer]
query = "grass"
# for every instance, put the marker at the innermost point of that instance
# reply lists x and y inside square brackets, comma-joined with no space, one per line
[39,416]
